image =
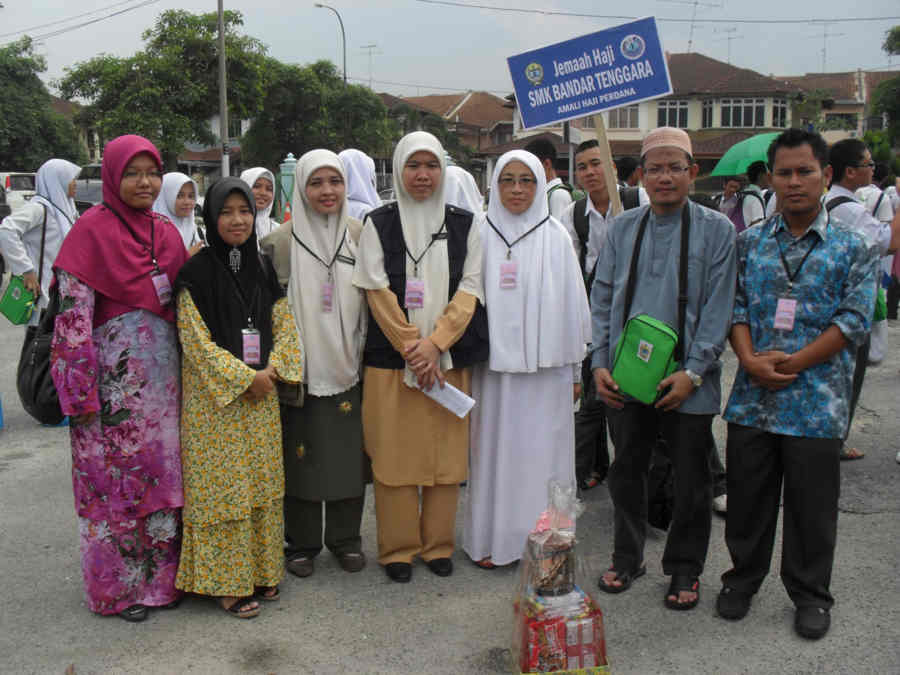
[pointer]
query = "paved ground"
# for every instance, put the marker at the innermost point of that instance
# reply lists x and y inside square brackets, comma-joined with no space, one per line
[334,622]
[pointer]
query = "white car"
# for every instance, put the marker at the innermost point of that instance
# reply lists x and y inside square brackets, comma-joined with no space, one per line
[19,187]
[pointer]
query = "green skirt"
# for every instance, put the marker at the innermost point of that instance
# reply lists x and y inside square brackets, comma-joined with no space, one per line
[323,447]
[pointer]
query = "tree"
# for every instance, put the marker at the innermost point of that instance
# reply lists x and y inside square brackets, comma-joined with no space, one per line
[416,119]
[886,97]
[31,132]
[308,107]
[168,91]
[891,42]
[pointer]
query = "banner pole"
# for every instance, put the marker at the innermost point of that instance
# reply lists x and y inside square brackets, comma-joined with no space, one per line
[612,183]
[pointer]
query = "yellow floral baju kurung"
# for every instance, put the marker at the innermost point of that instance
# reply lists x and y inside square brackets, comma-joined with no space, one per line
[231,460]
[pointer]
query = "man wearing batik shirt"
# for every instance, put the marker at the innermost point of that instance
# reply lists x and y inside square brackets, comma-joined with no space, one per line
[805,294]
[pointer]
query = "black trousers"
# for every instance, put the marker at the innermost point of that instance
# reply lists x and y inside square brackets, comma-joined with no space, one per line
[591,452]
[859,375]
[303,525]
[893,297]
[634,430]
[758,463]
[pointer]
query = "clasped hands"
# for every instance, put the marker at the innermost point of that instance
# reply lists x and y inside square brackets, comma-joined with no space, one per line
[263,384]
[424,360]
[772,370]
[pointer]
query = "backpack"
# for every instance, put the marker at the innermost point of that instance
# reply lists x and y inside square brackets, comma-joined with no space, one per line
[736,215]
[837,201]
[630,198]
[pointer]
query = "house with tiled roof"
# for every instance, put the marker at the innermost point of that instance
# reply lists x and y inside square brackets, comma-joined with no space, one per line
[479,118]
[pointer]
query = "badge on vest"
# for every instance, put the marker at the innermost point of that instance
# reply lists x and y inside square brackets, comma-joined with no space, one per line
[785,313]
[163,288]
[415,294]
[251,344]
[508,274]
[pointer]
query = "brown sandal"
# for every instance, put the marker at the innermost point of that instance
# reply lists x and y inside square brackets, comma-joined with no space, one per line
[267,593]
[241,608]
[485,563]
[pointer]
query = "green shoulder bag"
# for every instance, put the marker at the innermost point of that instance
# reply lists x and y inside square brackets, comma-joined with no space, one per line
[17,303]
[649,350]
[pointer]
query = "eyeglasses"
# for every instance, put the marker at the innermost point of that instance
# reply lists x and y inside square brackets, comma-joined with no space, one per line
[524,181]
[865,165]
[675,170]
[141,175]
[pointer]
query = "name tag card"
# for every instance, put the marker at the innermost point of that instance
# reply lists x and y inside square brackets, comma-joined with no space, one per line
[327,297]
[163,288]
[250,337]
[508,274]
[785,313]
[415,294]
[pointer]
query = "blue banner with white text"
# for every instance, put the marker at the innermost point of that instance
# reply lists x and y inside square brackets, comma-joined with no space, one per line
[582,76]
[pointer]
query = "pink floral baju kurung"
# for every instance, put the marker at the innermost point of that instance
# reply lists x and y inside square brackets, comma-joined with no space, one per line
[126,462]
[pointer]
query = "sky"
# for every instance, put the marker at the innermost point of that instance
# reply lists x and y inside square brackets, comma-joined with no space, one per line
[425,48]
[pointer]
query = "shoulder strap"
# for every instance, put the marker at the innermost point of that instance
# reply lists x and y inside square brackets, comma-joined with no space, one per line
[632,270]
[767,197]
[837,201]
[877,204]
[744,193]
[630,197]
[582,224]
[43,241]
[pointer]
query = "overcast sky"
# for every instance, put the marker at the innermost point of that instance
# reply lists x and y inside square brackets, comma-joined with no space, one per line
[457,48]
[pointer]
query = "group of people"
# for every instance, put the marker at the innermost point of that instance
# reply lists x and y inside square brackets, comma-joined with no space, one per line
[225,389]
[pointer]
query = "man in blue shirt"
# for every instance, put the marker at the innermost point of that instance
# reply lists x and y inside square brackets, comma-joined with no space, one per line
[805,293]
[690,397]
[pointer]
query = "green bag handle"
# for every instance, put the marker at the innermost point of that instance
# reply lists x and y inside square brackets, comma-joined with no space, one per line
[682,275]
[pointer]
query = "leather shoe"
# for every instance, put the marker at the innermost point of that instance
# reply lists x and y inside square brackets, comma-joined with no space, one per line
[812,622]
[443,567]
[300,565]
[732,604]
[400,572]
[352,562]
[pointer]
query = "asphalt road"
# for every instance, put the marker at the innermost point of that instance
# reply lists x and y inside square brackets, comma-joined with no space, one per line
[334,622]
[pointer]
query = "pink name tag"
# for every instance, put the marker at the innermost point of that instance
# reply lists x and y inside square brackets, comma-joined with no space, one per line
[327,297]
[415,294]
[163,288]
[508,273]
[785,312]
[250,337]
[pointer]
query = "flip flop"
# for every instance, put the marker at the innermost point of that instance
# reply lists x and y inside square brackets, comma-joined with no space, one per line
[485,564]
[626,578]
[241,609]
[135,613]
[852,453]
[683,582]
[267,593]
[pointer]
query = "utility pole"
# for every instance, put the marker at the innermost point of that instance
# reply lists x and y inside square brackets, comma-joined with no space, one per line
[223,95]
[729,38]
[825,36]
[696,4]
[370,49]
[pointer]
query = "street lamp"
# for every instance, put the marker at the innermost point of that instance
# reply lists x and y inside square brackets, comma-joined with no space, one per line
[343,35]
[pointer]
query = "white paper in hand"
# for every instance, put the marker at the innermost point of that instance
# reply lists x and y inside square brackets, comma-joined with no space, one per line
[454,400]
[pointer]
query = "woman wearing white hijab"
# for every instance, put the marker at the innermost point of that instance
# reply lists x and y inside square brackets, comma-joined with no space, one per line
[262,183]
[460,189]
[323,442]
[362,196]
[176,201]
[523,432]
[20,232]
[420,263]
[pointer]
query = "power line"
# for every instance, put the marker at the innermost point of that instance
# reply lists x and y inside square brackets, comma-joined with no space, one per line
[503,92]
[66,20]
[68,29]
[547,12]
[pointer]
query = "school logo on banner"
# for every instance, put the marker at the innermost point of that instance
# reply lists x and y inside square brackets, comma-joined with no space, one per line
[535,73]
[633,47]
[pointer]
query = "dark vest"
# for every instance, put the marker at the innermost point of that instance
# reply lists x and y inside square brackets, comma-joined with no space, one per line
[472,347]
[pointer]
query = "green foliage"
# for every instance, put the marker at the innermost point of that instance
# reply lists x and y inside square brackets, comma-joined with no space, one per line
[879,144]
[31,132]
[307,107]
[891,42]
[168,91]
[886,99]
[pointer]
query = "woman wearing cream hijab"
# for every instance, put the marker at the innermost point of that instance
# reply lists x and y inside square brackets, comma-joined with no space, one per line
[176,202]
[420,264]
[262,183]
[323,455]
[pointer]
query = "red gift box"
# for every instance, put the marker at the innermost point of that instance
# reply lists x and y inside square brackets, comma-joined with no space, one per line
[545,645]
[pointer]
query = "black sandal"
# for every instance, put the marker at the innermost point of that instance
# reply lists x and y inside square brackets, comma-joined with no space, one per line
[241,608]
[679,583]
[626,579]
[267,593]
[135,613]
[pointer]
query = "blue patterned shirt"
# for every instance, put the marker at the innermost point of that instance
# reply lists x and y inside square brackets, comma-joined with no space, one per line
[836,285]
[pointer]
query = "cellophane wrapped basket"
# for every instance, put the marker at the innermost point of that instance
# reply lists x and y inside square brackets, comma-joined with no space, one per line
[558,626]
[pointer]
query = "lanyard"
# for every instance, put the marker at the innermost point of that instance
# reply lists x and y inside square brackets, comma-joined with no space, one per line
[440,234]
[137,239]
[327,266]
[784,262]
[508,245]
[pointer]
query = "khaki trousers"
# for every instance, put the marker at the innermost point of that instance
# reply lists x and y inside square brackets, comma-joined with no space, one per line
[405,530]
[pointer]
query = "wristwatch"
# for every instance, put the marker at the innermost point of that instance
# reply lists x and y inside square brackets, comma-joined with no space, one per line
[696,380]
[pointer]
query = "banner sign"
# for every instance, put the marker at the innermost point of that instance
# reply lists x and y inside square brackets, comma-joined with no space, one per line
[607,69]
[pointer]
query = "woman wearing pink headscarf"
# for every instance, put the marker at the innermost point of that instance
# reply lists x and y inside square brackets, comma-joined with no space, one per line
[114,360]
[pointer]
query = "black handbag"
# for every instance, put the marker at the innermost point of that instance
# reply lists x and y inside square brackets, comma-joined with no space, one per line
[36,388]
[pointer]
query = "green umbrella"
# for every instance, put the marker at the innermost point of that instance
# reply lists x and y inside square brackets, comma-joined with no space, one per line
[743,154]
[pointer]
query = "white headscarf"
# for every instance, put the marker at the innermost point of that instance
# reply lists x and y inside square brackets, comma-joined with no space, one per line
[264,224]
[332,341]
[52,190]
[420,220]
[460,189]
[361,193]
[544,321]
[165,205]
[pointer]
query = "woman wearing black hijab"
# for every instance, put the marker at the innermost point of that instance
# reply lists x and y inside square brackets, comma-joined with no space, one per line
[238,337]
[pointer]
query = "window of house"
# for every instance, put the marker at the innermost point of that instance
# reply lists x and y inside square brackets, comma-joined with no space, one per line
[743,112]
[671,114]
[234,128]
[624,118]
[707,114]
[779,112]
[588,122]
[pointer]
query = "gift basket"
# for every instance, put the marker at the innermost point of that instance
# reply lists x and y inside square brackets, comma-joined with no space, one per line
[558,626]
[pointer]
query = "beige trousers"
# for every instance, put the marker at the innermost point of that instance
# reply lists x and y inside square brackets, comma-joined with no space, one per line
[406,529]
